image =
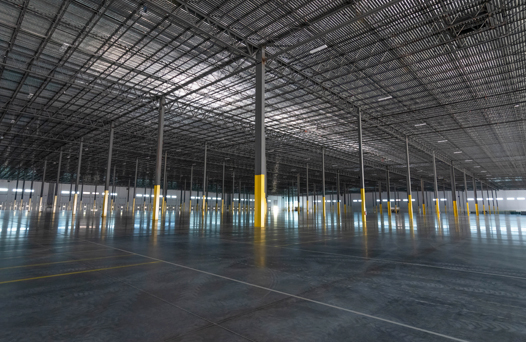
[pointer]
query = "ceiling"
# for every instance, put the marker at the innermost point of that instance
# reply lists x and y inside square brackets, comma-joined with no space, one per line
[448,75]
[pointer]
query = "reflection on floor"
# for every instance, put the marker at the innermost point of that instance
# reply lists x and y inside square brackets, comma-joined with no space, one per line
[216,278]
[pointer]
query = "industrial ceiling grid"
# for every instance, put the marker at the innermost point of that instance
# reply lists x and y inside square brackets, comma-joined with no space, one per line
[451,65]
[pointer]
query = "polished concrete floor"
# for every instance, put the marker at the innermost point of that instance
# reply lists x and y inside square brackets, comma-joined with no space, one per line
[302,278]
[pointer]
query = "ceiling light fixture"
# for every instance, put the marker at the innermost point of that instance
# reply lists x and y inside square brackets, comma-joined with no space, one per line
[517,105]
[469,160]
[385,98]
[442,141]
[319,48]
[457,152]
[420,124]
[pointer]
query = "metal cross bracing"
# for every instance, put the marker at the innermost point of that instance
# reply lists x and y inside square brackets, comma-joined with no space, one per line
[70,68]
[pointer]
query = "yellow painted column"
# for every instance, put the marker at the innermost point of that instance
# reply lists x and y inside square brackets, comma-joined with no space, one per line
[437,208]
[477,209]
[467,208]
[190,206]
[74,208]
[410,207]
[29,205]
[105,203]
[389,208]
[307,206]
[424,209]
[222,205]
[260,200]
[323,199]
[156,200]
[204,204]
[455,209]
[338,208]
[133,205]
[364,213]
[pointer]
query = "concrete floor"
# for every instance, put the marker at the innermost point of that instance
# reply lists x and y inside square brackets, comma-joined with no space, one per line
[299,279]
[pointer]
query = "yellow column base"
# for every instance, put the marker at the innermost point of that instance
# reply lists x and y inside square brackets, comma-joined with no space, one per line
[40,204]
[105,203]
[338,208]
[190,206]
[323,201]
[94,204]
[389,208]
[381,209]
[410,207]
[133,204]
[111,204]
[55,204]
[483,210]
[156,200]
[204,205]
[467,208]
[307,206]
[260,200]
[477,209]
[424,209]
[29,205]
[455,209]
[74,208]
[437,208]
[364,210]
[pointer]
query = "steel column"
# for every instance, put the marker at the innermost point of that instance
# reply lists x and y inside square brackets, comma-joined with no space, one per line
[307,184]
[323,179]
[108,172]
[454,191]
[261,167]
[362,173]
[58,179]
[223,190]
[466,192]
[135,183]
[423,196]
[158,162]
[74,209]
[42,185]
[475,196]
[435,181]
[204,182]
[409,194]
[388,184]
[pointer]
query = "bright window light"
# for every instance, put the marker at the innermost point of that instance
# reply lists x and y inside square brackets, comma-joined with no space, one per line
[64,192]
[520,198]
[443,199]
[4,189]
[86,193]
[95,193]
[412,200]
[491,198]
[479,199]
[499,198]
[510,199]
[377,200]
[471,199]
[354,200]
[17,190]
[138,195]
[405,200]
[384,200]
[29,190]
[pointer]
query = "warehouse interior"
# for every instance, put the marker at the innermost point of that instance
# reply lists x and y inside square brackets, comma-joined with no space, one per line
[262,170]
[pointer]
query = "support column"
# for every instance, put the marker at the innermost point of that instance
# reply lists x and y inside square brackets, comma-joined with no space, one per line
[223,190]
[261,167]
[204,205]
[233,191]
[454,191]
[108,172]
[388,183]
[165,184]
[483,202]
[323,179]
[33,179]
[409,195]
[466,193]
[380,197]
[362,173]
[298,190]
[475,196]
[191,185]
[135,183]
[423,196]
[75,196]
[42,185]
[338,192]
[437,206]
[496,201]
[58,180]
[307,184]
[158,163]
